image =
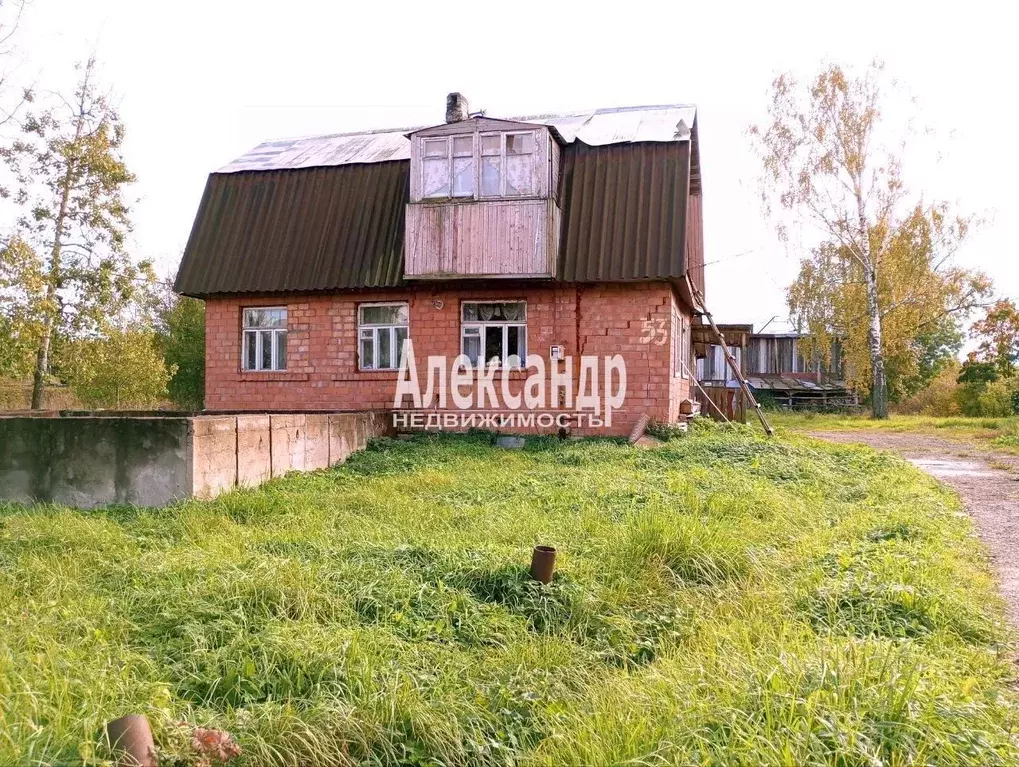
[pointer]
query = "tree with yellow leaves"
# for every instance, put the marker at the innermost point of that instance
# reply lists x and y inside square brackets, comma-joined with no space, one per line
[881,276]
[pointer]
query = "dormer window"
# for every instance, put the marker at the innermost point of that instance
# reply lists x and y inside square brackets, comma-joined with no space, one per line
[448,164]
[482,165]
[482,200]
[507,166]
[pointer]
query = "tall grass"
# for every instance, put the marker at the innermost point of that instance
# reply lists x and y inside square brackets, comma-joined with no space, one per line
[1001,432]
[720,599]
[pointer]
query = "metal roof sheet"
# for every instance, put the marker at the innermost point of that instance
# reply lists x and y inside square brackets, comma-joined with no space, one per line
[624,214]
[599,127]
[322,228]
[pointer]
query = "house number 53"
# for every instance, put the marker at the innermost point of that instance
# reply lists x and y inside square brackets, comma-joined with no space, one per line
[654,332]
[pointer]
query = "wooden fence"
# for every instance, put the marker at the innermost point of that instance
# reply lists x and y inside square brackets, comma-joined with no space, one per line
[722,398]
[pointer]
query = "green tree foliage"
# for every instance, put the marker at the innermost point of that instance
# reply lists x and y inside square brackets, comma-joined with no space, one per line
[936,349]
[182,341]
[22,292]
[919,298]
[998,335]
[974,371]
[70,179]
[123,369]
[881,276]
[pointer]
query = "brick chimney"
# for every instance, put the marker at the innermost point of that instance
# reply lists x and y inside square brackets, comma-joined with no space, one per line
[456,107]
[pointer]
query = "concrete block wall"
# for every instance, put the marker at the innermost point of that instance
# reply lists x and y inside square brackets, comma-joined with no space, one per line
[322,363]
[98,461]
[254,458]
[264,446]
[89,462]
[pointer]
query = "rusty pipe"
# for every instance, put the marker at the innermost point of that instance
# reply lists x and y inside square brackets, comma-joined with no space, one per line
[131,741]
[543,563]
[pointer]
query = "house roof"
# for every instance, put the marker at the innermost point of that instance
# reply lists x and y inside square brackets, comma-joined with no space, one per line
[599,127]
[327,213]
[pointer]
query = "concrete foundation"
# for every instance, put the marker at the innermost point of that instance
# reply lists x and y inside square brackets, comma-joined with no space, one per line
[254,458]
[89,461]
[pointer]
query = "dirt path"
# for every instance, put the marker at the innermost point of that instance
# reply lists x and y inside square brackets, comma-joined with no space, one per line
[986,481]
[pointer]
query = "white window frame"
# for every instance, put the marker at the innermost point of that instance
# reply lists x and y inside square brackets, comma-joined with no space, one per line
[450,159]
[681,346]
[374,329]
[502,163]
[276,365]
[476,162]
[481,327]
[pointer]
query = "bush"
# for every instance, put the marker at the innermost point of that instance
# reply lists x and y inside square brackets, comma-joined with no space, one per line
[182,342]
[996,399]
[122,370]
[938,398]
[988,400]
[952,394]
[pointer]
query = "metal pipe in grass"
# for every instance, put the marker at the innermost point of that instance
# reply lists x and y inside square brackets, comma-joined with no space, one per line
[131,741]
[543,564]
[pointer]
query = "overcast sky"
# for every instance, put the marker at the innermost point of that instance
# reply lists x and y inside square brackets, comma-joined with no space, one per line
[199,83]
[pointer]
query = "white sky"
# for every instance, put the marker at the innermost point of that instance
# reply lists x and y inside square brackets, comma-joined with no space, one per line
[199,83]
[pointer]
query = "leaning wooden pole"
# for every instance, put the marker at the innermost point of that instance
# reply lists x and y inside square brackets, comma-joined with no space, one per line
[733,365]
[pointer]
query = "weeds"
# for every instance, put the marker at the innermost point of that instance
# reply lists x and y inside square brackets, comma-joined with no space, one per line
[720,598]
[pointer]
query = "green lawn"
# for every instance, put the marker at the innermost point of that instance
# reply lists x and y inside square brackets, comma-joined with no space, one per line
[721,599]
[996,433]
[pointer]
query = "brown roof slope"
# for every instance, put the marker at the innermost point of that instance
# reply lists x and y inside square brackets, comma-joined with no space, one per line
[623,212]
[296,230]
[342,227]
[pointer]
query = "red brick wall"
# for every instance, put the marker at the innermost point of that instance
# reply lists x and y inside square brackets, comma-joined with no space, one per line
[636,320]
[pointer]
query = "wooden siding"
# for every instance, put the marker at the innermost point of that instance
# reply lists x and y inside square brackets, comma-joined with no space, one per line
[780,355]
[554,153]
[695,241]
[498,238]
[714,368]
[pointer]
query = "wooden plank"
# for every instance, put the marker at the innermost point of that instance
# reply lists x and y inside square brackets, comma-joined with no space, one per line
[493,237]
[699,297]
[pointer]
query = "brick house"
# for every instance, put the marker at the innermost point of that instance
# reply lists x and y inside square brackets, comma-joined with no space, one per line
[549,239]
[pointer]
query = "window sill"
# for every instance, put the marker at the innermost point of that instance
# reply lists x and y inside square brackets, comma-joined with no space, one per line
[488,198]
[514,374]
[271,375]
[367,375]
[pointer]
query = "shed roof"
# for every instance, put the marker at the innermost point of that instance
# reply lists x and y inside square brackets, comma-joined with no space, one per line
[598,127]
[776,382]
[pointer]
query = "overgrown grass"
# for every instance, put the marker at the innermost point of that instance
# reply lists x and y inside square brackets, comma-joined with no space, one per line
[720,599]
[997,433]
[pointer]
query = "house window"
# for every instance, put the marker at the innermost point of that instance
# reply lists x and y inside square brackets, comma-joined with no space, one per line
[264,339]
[485,165]
[447,166]
[681,346]
[507,164]
[382,329]
[494,333]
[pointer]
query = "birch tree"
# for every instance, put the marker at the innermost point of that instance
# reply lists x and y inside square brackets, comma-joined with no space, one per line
[70,183]
[830,173]
[920,298]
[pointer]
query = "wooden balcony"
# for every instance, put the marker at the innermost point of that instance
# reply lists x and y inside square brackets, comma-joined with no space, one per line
[482,238]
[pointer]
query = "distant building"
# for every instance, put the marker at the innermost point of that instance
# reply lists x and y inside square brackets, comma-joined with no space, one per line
[775,366]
